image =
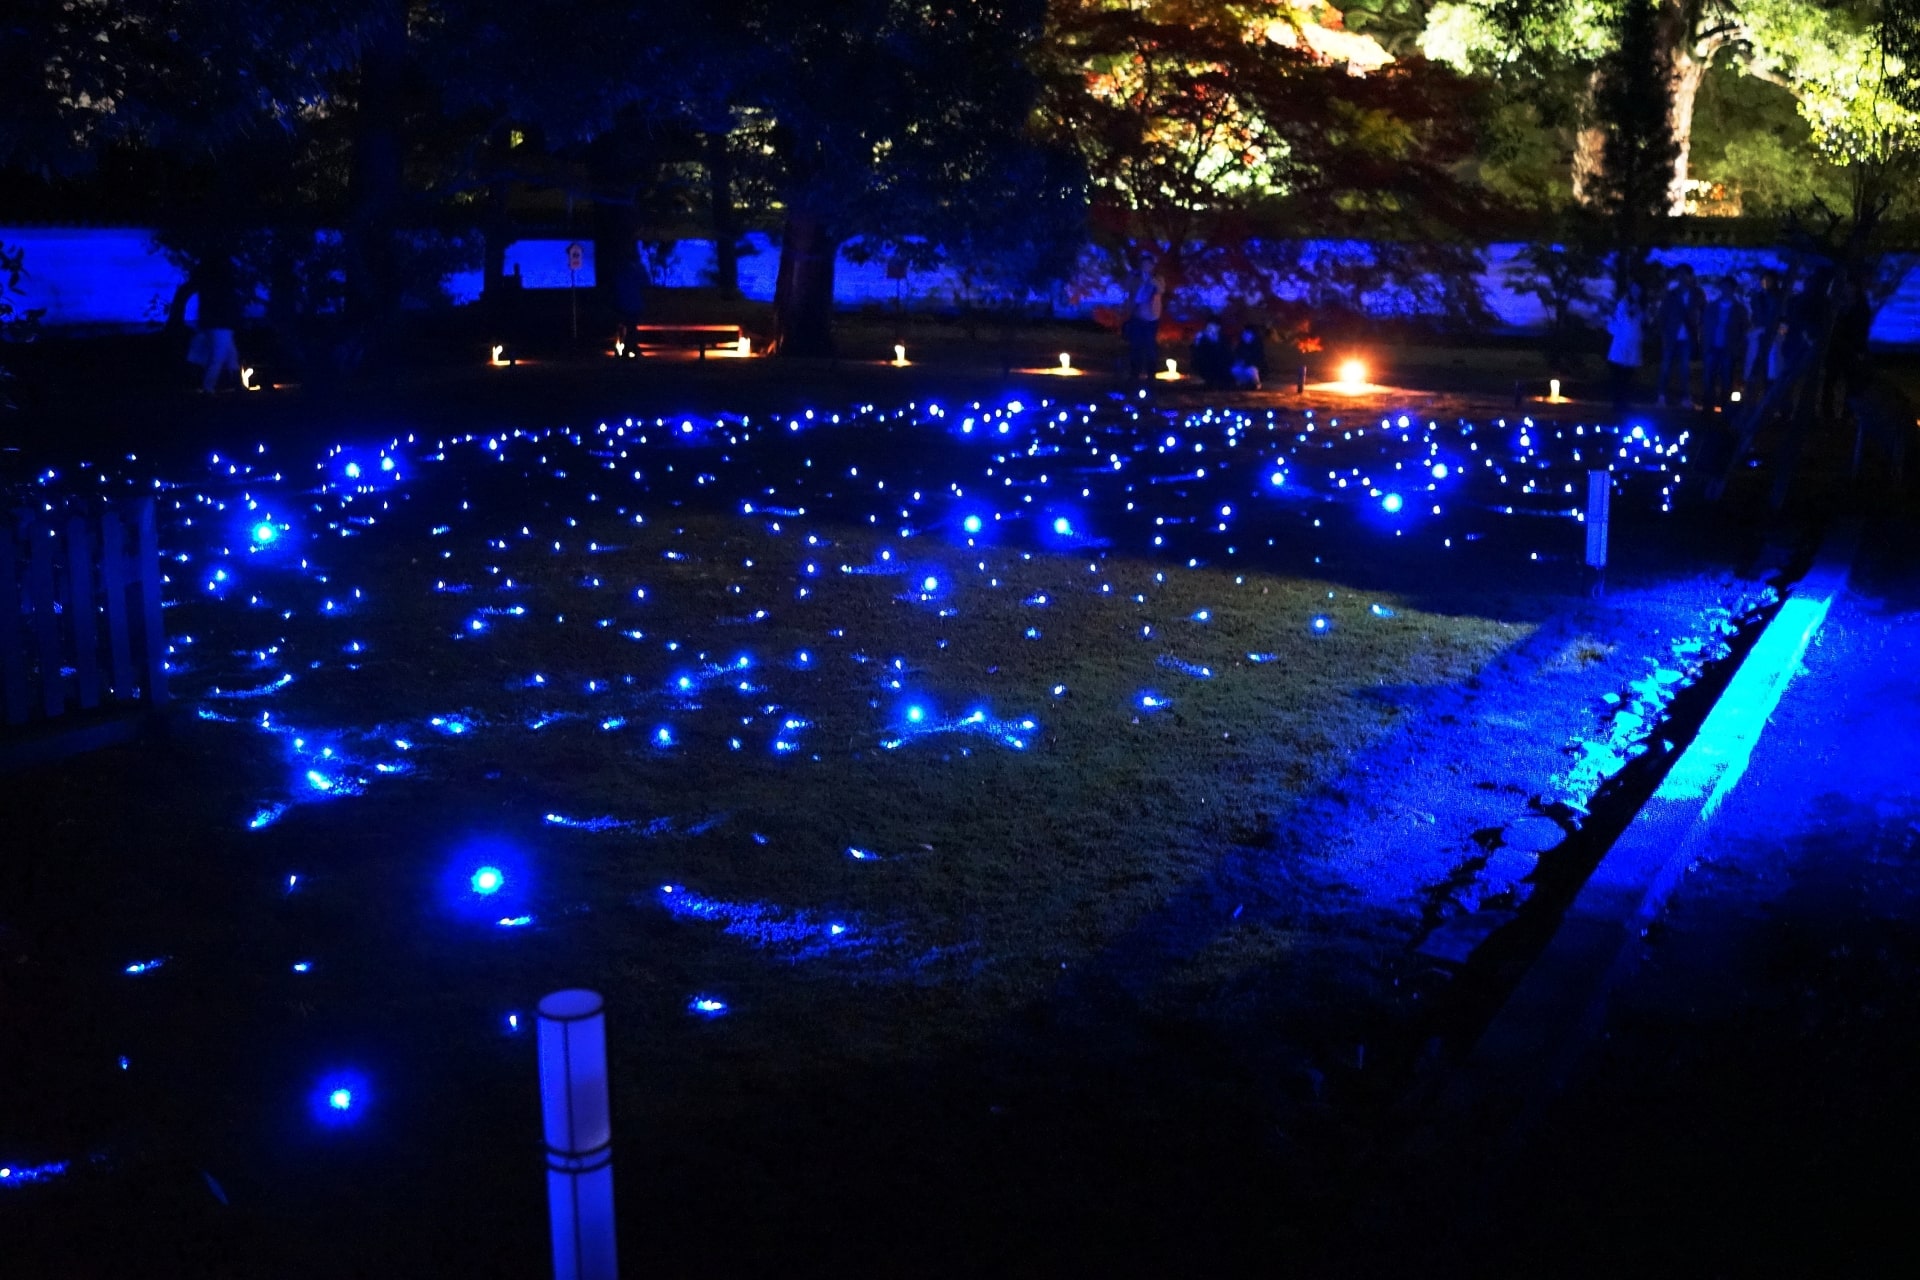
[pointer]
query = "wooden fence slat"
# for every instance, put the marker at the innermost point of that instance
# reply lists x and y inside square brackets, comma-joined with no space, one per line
[82,613]
[153,640]
[46,624]
[13,640]
[113,579]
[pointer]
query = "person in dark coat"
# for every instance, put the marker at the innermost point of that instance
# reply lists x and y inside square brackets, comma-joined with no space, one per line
[1725,330]
[1249,359]
[1211,359]
[1681,313]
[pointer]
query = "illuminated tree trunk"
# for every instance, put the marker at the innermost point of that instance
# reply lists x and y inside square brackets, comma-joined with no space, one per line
[1589,146]
[1685,54]
[803,291]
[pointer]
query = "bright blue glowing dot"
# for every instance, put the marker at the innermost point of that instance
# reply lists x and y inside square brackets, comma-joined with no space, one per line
[386,464]
[353,471]
[971,524]
[319,781]
[684,683]
[513,1022]
[264,532]
[663,736]
[1391,502]
[1277,479]
[805,657]
[1322,623]
[302,967]
[930,584]
[1062,525]
[707,1006]
[340,1099]
[1439,471]
[514,922]
[916,714]
[488,880]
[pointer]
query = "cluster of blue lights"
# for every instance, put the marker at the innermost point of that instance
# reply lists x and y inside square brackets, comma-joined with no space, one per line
[264,558]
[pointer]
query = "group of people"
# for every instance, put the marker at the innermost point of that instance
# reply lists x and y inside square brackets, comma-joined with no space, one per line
[1744,338]
[1242,364]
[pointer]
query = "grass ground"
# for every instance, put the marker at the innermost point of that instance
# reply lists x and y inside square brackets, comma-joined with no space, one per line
[1102,979]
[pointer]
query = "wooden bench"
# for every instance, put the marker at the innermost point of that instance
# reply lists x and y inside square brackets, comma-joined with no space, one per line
[648,338]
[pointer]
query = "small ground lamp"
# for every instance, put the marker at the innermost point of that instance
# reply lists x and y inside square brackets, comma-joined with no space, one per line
[743,346]
[1353,373]
[1172,373]
[899,355]
[1553,392]
[498,356]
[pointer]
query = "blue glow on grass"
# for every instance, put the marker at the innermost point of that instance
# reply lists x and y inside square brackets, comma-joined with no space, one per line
[514,922]
[145,966]
[588,824]
[266,817]
[1320,624]
[707,1007]
[15,1175]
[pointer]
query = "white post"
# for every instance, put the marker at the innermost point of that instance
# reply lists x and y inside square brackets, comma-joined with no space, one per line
[573,1102]
[1599,499]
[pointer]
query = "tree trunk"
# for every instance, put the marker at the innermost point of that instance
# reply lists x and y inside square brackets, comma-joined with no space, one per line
[1685,55]
[724,219]
[1589,146]
[803,292]
[377,180]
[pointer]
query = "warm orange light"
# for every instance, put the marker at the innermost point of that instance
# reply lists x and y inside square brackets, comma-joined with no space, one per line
[899,356]
[1353,373]
[1066,362]
[499,354]
[744,346]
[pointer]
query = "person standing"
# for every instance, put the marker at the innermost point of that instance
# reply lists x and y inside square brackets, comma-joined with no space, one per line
[1625,328]
[1681,309]
[218,317]
[1146,299]
[1763,314]
[1725,331]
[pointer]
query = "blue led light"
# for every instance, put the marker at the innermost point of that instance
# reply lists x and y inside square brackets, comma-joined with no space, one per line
[971,524]
[488,880]
[1062,526]
[707,1006]
[341,1099]
[264,533]
[1392,503]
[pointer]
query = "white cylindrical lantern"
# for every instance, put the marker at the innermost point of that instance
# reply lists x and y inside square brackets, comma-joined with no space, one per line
[573,1103]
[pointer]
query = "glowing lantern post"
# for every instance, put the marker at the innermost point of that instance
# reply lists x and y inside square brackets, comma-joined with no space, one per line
[743,345]
[1353,373]
[899,355]
[1172,372]
[499,355]
[1066,362]
[579,1132]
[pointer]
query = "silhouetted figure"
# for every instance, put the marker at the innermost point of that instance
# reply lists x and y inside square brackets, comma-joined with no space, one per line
[1249,359]
[1681,309]
[1211,359]
[1725,332]
[218,317]
[1763,316]
[1146,299]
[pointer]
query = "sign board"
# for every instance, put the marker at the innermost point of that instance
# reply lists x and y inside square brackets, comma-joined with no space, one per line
[576,256]
[1599,500]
